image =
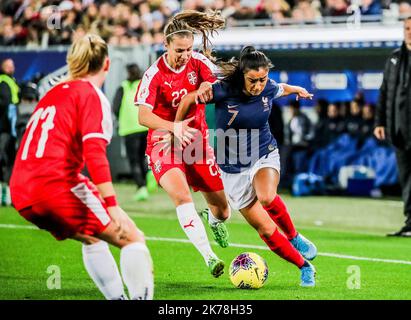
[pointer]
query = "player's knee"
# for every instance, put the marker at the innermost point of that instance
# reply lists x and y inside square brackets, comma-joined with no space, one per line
[182,198]
[225,213]
[132,236]
[135,234]
[266,198]
[266,230]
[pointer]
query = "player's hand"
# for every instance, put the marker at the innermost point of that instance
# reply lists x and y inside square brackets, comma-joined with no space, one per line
[121,220]
[204,93]
[379,132]
[303,93]
[165,141]
[183,133]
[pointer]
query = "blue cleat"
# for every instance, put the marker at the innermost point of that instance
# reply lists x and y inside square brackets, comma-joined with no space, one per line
[307,275]
[304,246]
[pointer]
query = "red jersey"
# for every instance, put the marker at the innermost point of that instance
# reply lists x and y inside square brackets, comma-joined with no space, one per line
[50,157]
[163,87]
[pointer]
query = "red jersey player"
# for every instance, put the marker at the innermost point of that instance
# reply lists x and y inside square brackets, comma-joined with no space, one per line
[176,73]
[71,126]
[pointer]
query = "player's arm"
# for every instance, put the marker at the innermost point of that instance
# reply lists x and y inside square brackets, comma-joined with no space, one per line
[95,128]
[180,129]
[150,120]
[380,118]
[185,104]
[98,167]
[299,91]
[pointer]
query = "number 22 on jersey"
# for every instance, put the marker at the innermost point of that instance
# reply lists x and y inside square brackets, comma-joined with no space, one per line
[47,116]
[177,96]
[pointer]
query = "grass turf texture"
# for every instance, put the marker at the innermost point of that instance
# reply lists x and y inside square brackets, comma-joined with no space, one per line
[343,226]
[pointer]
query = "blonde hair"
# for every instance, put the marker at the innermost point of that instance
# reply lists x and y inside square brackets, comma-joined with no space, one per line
[188,22]
[86,56]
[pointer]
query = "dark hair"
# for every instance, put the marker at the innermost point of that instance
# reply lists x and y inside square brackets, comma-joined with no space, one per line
[188,22]
[249,59]
[133,69]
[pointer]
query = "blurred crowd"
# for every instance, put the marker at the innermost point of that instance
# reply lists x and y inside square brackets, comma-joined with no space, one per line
[303,135]
[40,23]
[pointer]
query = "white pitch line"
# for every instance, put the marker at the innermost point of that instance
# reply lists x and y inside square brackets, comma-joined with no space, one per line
[323,254]
[241,245]
[16,226]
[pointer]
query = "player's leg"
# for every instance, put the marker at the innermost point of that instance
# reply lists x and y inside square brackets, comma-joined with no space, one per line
[101,267]
[265,183]
[258,218]
[174,182]
[63,217]
[135,260]
[266,177]
[216,214]
[204,176]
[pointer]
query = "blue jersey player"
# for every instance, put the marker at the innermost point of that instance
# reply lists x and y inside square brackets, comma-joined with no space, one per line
[248,156]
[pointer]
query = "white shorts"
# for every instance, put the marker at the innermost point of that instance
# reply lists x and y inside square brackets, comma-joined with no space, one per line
[238,187]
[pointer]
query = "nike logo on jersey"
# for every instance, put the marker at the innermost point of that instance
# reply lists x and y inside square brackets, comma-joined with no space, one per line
[168,83]
[233,106]
[189,225]
[394,61]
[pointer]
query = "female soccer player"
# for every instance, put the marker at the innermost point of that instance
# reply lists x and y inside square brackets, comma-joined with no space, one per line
[177,72]
[71,126]
[248,156]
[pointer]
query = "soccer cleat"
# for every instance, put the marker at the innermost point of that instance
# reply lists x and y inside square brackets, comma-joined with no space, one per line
[304,246]
[141,194]
[216,267]
[307,275]
[403,232]
[219,229]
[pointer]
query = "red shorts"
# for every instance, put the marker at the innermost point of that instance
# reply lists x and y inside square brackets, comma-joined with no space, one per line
[79,210]
[197,162]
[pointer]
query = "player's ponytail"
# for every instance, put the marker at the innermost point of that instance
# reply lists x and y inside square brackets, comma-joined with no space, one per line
[250,59]
[188,22]
[86,56]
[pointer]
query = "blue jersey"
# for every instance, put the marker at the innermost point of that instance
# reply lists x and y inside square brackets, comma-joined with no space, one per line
[242,129]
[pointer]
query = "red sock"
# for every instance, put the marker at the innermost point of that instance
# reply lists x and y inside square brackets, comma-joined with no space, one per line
[281,246]
[278,212]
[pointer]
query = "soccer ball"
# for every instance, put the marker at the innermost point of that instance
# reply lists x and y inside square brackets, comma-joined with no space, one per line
[248,271]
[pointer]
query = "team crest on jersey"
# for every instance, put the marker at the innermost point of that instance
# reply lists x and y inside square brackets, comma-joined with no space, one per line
[266,105]
[192,78]
[157,166]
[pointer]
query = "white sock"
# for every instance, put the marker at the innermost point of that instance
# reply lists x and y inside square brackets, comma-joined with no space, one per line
[194,229]
[137,270]
[102,268]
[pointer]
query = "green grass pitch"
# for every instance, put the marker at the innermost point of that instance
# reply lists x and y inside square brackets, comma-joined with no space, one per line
[356,260]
